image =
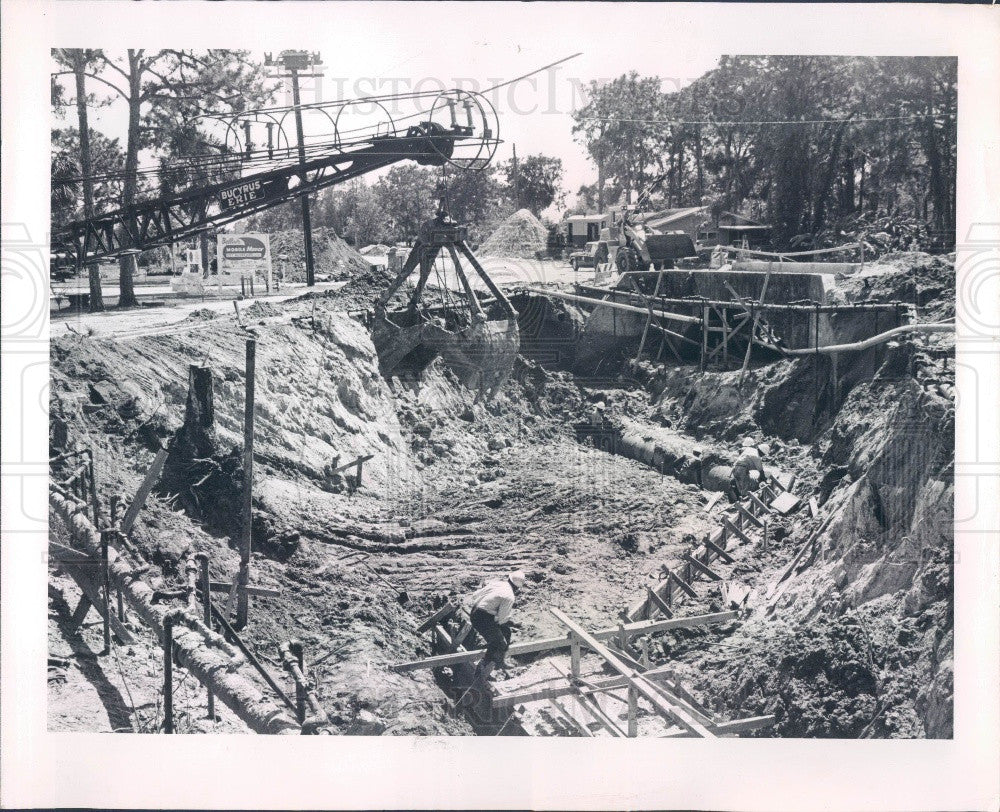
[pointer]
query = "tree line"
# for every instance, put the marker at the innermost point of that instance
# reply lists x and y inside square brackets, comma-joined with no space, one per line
[392,207]
[813,145]
[166,91]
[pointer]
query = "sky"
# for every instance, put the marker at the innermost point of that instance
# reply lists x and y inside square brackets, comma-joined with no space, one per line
[444,46]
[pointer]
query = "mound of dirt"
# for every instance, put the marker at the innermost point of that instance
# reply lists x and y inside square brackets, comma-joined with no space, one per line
[366,286]
[925,280]
[331,255]
[521,235]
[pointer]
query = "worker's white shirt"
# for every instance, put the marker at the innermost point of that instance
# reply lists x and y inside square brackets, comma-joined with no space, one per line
[750,459]
[497,598]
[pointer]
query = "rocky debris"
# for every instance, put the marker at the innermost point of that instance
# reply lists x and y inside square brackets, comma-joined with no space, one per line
[912,277]
[521,235]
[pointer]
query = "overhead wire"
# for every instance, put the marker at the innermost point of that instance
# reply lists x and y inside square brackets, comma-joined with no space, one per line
[681,122]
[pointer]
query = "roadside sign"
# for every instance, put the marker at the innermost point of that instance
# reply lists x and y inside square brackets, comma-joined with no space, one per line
[242,255]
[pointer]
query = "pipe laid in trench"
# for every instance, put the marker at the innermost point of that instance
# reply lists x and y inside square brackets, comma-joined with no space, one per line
[211,667]
[938,327]
[642,311]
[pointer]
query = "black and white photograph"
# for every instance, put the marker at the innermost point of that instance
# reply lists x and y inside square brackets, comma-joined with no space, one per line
[499,380]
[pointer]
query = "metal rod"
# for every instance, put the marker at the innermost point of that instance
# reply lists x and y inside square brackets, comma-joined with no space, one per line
[106,591]
[231,632]
[206,598]
[885,307]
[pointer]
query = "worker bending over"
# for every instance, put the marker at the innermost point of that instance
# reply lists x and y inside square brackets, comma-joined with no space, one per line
[748,470]
[490,610]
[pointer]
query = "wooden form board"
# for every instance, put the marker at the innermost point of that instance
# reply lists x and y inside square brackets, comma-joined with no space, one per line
[670,711]
[551,643]
[152,475]
[785,503]
[92,599]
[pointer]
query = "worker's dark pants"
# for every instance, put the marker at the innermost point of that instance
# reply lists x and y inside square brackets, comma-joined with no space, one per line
[497,636]
[740,483]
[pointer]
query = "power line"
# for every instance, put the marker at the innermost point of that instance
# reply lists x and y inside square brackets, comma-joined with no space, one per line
[537,70]
[851,120]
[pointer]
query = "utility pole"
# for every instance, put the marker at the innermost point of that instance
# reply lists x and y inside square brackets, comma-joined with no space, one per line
[517,181]
[292,65]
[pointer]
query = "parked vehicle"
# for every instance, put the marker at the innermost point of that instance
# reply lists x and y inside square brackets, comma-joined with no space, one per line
[591,256]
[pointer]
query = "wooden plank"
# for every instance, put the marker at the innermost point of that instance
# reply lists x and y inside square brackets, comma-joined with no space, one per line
[67,554]
[669,679]
[748,515]
[575,723]
[352,463]
[759,505]
[728,728]
[444,637]
[719,551]
[785,503]
[81,611]
[589,704]
[550,643]
[659,603]
[666,709]
[462,633]
[813,507]
[563,689]
[246,507]
[714,500]
[92,592]
[664,672]
[785,480]
[772,593]
[265,591]
[732,528]
[443,613]
[702,568]
[640,610]
[671,697]
[684,585]
[152,475]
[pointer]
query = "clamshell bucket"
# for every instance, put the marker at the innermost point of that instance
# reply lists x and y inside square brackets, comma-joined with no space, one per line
[479,345]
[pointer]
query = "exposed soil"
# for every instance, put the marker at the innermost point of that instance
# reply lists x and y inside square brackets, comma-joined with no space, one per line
[859,643]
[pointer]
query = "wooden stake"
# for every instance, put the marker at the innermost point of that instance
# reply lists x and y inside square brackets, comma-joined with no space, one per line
[704,336]
[243,597]
[719,551]
[753,330]
[633,708]
[658,602]
[152,475]
[168,674]
[702,568]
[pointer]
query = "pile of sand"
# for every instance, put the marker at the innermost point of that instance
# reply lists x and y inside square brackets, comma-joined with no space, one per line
[520,235]
[331,255]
